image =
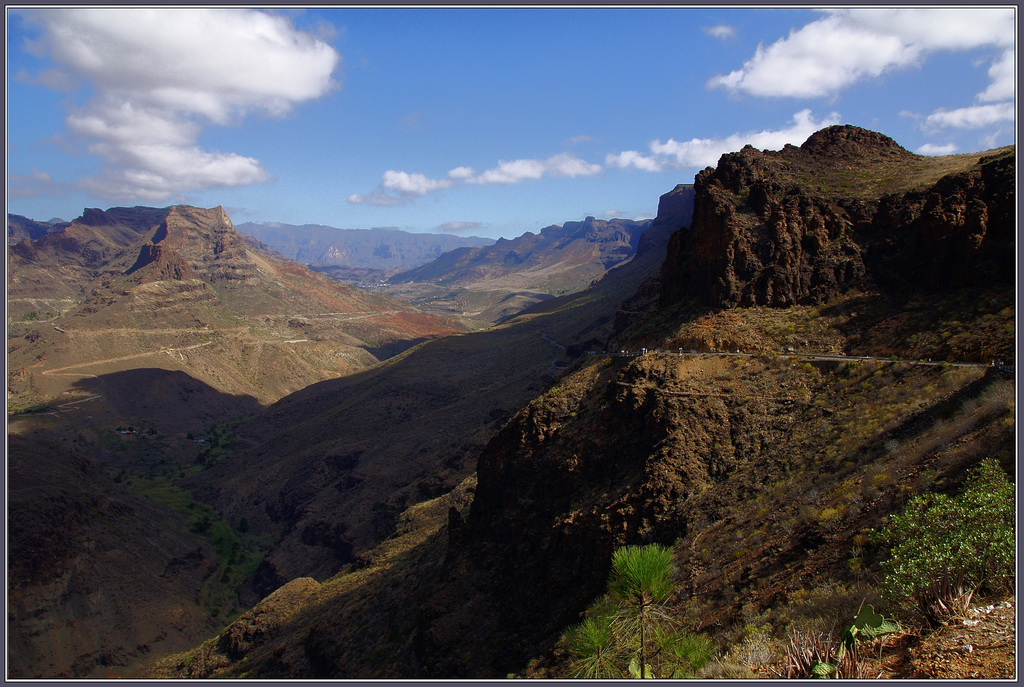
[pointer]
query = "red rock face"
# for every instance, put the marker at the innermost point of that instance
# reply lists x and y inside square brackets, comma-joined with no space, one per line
[801,225]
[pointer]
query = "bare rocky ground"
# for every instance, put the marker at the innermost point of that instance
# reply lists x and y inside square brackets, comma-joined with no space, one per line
[981,645]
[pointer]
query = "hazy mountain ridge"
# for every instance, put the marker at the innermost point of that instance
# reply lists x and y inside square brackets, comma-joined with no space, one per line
[20,228]
[573,245]
[383,249]
[491,283]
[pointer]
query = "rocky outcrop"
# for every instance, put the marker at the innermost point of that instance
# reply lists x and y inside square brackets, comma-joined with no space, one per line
[168,264]
[597,463]
[675,213]
[801,225]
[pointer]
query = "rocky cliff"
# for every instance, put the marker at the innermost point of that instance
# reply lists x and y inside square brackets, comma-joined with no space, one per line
[846,208]
[678,449]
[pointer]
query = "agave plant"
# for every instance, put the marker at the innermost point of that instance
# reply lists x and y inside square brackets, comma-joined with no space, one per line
[825,659]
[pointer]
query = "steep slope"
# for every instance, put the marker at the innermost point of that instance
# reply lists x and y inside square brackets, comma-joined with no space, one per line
[178,289]
[496,281]
[98,578]
[763,468]
[675,448]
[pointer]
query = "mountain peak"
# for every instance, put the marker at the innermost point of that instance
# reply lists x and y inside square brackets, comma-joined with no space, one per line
[848,140]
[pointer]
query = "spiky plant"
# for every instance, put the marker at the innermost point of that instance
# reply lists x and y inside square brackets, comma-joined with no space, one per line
[641,582]
[593,645]
[630,632]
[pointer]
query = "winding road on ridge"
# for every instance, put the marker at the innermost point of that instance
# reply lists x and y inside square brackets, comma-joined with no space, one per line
[802,356]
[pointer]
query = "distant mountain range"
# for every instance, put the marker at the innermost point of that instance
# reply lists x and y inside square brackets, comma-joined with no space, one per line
[384,249]
[497,281]
[19,227]
[590,247]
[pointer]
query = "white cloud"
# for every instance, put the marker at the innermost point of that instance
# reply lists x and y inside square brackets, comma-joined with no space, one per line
[412,184]
[397,188]
[632,158]
[1003,84]
[515,171]
[722,31]
[847,46]
[972,117]
[159,76]
[510,172]
[568,165]
[703,152]
[461,173]
[936,149]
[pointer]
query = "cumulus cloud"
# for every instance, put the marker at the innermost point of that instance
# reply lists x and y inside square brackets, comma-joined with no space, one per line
[722,31]
[1003,84]
[847,46]
[397,188]
[936,149]
[412,184]
[703,152]
[515,171]
[158,77]
[972,117]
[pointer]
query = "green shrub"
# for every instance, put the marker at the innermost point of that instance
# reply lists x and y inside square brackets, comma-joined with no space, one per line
[942,545]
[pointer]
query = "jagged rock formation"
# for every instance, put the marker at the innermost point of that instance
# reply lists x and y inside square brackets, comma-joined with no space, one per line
[802,225]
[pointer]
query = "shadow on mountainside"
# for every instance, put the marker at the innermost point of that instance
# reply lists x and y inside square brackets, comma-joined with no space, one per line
[168,400]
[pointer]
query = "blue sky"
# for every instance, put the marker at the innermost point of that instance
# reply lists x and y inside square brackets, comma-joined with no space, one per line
[479,121]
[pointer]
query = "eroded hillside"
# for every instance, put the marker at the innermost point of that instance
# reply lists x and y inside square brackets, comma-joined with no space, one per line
[178,289]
